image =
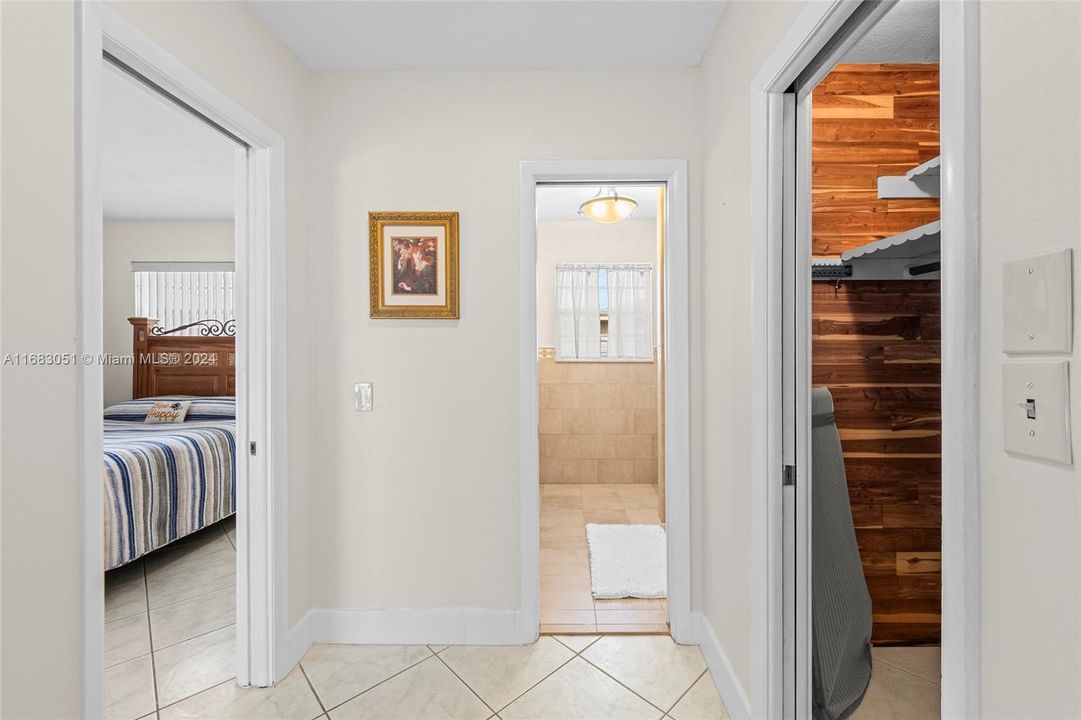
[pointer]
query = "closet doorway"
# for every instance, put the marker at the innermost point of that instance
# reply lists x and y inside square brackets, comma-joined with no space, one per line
[869,490]
[604,395]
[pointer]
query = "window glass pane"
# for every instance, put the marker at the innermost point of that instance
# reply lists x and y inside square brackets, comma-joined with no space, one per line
[603,288]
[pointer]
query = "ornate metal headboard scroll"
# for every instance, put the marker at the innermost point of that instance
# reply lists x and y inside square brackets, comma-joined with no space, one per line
[207,328]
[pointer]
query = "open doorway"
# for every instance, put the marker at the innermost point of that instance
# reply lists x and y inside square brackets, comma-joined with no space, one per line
[600,355]
[868,211]
[170,418]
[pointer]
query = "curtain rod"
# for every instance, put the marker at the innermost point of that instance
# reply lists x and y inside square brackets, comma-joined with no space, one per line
[606,266]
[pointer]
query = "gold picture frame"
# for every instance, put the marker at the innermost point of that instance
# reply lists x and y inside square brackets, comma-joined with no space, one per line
[413,265]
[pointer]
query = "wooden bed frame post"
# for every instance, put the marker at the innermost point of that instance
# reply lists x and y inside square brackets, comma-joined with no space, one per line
[140,346]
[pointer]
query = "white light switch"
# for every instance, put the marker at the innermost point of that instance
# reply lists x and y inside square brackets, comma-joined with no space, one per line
[1036,410]
[362,397]
[1037,304]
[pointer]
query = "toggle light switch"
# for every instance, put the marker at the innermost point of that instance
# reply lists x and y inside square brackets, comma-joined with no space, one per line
[1036,409]
[362,397]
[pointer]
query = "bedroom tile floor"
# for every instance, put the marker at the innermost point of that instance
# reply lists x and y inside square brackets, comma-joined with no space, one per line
[567,604]
[169,623]
[557,678]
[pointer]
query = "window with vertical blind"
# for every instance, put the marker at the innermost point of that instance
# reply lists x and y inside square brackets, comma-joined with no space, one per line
[180,293]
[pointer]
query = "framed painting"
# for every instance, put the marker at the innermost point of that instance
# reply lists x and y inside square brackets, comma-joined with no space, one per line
[413,264]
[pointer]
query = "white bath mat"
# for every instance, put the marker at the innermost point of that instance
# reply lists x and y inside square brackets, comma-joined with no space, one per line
[628,561]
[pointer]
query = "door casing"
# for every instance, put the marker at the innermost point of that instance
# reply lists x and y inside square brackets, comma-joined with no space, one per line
[262,580]
[781,167]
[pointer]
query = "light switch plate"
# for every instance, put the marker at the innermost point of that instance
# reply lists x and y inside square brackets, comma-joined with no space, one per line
[1036,410]
[362,397]
[1037,304]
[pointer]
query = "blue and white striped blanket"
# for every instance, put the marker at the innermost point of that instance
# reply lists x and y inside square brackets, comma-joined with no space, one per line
[165,481]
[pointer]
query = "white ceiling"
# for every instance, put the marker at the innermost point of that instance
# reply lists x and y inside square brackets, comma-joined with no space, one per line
[159,162]
[561,202]
[908,33]
[495,34]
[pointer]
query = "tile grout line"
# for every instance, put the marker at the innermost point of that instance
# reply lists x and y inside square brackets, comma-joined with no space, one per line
[221,524]
[696,681]
[622,684]
[150,638]
[530,688]
[467,687]
[177,602]
[193,637]
[195,694]
[312,688]
[388,679]
[909,672]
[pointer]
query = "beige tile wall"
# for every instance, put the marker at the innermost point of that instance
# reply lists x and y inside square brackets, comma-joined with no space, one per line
[598,421]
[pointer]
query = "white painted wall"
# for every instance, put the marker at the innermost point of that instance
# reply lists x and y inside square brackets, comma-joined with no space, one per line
[417,502]
[1031,512]
[584,241]
[721,324]
[41,604]
[131,241]
[40,595]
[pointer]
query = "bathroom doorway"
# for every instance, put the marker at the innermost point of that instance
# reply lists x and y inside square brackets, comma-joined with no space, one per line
[604,395]
[600,355]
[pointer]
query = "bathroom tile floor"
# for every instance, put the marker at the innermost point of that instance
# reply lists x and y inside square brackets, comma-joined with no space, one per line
[567,604]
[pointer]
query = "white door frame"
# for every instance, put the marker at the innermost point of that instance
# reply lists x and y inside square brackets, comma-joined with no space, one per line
[771,93]
[677,374]
[260,252]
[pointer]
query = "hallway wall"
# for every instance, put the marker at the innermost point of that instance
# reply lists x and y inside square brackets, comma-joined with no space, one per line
[722,322]
[442,444]
[1031,511]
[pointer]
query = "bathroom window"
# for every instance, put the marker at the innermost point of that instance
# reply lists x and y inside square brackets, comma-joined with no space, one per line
[604,312]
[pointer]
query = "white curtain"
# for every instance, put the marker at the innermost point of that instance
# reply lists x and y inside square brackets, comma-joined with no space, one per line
[630,313]
[578,313]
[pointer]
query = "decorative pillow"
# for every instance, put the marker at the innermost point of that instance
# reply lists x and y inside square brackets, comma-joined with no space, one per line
[168,411]
[202,408]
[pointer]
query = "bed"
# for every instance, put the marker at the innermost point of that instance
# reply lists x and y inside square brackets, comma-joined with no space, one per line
[166,481]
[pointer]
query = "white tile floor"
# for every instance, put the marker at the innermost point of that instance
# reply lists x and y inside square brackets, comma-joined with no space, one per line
[170,655]
[905,685]
[170,652]
[169,622]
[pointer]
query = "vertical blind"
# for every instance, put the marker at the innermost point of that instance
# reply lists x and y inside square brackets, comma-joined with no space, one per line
[179,293]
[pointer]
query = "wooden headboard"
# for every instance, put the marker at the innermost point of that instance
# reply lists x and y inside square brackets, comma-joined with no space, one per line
[168,364]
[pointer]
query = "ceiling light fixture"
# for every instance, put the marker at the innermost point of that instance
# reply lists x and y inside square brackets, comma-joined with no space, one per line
[608,207]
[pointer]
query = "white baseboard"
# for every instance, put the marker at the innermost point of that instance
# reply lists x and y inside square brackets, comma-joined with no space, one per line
[466,626]
[735,698]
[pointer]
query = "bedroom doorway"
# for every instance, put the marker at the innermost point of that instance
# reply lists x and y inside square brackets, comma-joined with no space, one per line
[170,413]
[600,355]
[259,654]
[568,428]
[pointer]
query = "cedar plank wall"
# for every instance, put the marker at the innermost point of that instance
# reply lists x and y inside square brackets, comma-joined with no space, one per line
[876,344]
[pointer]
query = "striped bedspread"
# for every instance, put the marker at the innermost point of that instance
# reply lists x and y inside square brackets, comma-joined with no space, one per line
[165,481]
